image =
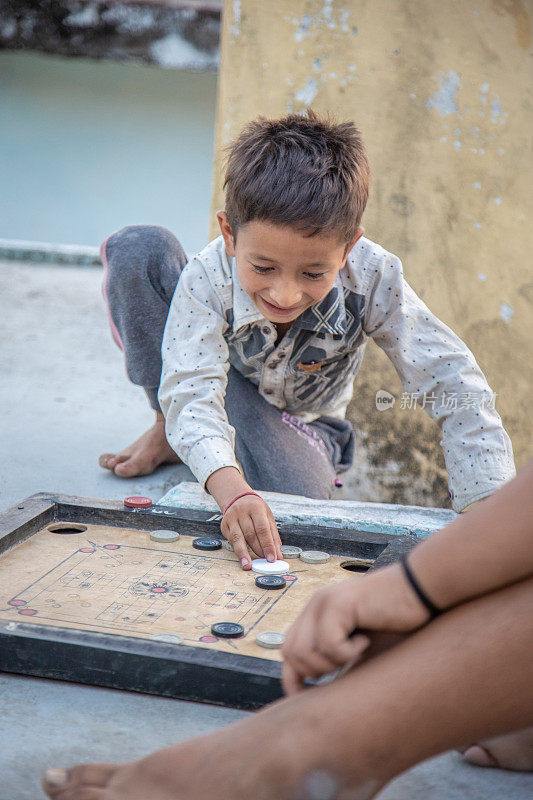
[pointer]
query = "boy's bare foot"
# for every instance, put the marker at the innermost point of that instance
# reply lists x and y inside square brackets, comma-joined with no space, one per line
[514,751]
[143,456]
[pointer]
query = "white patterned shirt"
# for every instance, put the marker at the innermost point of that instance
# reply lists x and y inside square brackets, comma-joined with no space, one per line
[213,323]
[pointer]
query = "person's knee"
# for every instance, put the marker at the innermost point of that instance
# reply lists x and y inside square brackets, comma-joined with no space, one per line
[275,470]
[134,252]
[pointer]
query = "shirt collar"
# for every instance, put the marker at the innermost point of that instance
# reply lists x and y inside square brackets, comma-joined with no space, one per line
[328,316]
[244,309]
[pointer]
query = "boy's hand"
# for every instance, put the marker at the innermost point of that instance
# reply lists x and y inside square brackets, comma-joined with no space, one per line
[322,638]
[249,521]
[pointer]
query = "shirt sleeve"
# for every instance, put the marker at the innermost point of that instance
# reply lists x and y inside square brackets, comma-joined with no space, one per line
[194,376]
[440,373]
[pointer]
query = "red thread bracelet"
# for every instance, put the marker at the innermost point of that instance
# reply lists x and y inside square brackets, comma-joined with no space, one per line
[238,498]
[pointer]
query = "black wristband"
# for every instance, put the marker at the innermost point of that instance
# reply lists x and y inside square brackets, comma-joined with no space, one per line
[422,596]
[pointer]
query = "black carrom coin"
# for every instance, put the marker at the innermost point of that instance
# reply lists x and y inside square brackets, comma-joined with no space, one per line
[270,582]
[207,543]
[227,630]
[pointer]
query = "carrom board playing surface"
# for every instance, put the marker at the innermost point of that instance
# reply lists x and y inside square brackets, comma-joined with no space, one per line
[86,595]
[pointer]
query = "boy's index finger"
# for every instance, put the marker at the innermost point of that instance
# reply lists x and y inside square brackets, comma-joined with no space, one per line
[237,540]
[264,534]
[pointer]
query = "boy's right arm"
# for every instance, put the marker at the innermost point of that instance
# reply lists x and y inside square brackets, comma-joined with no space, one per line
[191,394]
[249,520]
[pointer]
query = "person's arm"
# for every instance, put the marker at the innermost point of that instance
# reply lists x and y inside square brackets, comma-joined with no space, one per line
[484,550]
[480,552]
[440,374]
[248,520]
[191,395]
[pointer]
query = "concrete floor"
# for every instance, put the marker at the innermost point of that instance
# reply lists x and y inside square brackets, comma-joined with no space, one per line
[64,399]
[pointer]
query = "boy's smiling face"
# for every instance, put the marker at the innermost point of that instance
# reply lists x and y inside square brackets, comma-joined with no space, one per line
[283,271]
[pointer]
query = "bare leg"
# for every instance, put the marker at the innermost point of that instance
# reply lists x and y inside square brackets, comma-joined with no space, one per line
[460,679]
[144,455]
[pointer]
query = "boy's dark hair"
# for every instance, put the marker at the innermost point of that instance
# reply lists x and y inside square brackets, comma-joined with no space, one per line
[303,171]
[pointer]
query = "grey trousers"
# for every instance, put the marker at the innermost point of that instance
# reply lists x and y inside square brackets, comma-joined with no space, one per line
[277,452]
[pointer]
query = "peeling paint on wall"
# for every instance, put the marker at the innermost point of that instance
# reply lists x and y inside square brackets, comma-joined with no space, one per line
[326,11]
[444,99]
[304,26]
[506,312]
[327,17]
[236,26]
[496,114]
[308,93]
[344,14]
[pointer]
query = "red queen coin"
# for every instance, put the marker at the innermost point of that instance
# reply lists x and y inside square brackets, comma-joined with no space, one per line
[137,502]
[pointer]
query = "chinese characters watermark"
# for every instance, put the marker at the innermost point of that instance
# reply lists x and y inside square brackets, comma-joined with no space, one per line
[443,401]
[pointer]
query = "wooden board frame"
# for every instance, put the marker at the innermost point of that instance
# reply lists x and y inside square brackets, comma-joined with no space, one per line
[122,662]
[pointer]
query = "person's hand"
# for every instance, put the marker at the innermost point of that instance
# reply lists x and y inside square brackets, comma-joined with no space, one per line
[249,521]
[334,629]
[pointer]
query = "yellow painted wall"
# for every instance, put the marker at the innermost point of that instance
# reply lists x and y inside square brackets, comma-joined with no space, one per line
[442,92]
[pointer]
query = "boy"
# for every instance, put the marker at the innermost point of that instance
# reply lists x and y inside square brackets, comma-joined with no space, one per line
[266,329]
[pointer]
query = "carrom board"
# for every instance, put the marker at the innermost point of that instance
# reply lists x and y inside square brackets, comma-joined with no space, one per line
[87,596]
